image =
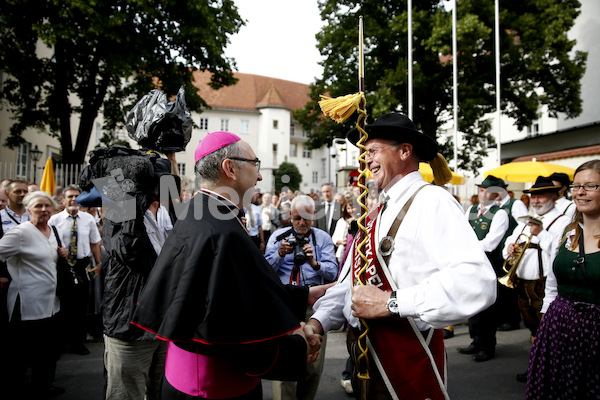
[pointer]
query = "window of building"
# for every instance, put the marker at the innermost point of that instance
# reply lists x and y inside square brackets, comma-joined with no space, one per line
[293,150]
[533,129]
[224,124]
[203,124]
[305,152]
[181,169]
[244,126]
[292,129]
[97,133]
[315,177]
[323,167]
[23,161]
[275,124]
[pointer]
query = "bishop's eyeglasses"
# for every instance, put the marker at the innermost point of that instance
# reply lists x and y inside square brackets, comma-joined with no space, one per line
[256,161]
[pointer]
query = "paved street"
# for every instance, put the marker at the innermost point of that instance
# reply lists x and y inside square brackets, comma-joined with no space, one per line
[82,376]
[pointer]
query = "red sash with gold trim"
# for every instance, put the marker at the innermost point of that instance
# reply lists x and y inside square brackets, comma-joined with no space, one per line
[401,358]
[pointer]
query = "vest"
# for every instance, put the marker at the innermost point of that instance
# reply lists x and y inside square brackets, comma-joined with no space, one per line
[481,226]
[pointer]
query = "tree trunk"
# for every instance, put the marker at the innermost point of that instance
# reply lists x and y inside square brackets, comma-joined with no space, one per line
[61,103]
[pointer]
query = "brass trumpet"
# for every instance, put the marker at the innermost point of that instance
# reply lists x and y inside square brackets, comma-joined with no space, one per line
[516,257]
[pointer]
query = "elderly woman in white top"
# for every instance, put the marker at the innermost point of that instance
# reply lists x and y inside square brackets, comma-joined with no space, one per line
[31,250]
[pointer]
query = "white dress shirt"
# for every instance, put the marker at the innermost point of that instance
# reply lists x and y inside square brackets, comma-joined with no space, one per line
[254,220]
[158,228]
[548,240]
[31,260]
[10,219]
[442,275]
[340,233]
[498,228]
[87,231]
[566,206]
[518,208]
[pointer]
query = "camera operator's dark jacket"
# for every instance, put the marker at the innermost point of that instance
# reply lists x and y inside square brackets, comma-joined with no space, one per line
[131,255]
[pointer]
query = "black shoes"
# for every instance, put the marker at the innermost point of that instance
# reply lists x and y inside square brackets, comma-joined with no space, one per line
[522,377]
[481,356]
[467,350]
[50,391]
[508,327]
[448,333]
[478,355]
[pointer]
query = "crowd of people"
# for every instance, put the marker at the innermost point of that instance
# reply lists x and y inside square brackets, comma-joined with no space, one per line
[250,290]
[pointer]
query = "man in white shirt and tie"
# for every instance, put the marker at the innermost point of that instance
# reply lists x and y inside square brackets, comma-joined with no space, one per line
[328,211]
[14,213]
[79,234]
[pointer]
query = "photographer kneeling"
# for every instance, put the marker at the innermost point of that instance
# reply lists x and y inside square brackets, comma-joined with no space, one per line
[303,256]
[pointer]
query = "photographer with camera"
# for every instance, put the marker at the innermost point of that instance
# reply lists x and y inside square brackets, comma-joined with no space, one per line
[303,256]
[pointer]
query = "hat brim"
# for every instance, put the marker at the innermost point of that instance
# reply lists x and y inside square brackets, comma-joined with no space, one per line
[489,186]
[542,189]
[424,146]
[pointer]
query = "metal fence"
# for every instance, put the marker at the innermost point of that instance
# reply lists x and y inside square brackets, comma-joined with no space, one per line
[64,174]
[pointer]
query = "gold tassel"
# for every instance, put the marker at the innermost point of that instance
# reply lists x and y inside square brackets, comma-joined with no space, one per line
[340,108]
[441,172]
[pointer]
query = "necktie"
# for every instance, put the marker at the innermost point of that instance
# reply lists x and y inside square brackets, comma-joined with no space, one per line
[72,256]
[328,215]
[383,199]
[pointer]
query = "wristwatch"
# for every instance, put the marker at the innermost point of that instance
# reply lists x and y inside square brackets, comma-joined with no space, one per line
[392,304]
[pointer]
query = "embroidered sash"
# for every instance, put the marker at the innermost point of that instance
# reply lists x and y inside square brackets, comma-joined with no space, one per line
[412,366]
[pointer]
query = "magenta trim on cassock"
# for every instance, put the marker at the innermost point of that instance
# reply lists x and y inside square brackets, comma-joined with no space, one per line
[213,142]
[206,376]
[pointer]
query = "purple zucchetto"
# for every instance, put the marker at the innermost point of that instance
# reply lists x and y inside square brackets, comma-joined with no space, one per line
[213,142]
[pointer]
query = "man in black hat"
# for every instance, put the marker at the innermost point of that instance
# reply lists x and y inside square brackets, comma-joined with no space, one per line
[425,271]
[490,224]
[536,261]
[564,204]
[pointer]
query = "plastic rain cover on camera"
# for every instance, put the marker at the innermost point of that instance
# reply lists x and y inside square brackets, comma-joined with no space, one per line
[158,124]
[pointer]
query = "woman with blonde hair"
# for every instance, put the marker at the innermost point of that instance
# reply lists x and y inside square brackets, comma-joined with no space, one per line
[31,251]
[565,358]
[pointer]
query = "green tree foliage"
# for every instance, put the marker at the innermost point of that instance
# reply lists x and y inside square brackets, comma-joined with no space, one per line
[67,57]
[287,175]
[538,65]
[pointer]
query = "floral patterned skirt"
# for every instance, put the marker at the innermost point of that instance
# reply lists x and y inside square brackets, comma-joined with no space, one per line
[565,359]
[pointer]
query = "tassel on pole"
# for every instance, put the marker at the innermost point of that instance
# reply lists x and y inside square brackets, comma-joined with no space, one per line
[441,172]
[340,108]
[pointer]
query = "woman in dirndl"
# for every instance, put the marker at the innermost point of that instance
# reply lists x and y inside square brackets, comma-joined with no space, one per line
[565,358]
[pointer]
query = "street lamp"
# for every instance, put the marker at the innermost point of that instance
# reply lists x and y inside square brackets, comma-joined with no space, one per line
[35,155]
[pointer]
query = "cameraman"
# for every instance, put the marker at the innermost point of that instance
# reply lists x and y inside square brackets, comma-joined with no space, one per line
[319,265]
[303,256]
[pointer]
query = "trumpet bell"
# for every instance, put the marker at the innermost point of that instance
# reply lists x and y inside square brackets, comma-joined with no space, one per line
[506,281]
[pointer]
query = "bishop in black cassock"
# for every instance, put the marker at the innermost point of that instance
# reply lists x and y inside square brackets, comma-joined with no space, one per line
[213,296]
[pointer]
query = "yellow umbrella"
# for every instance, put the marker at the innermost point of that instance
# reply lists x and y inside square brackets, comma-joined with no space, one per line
[48,182]
[527,171]
[427,173]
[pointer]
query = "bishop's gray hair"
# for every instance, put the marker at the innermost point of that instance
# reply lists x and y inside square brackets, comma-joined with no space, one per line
[208,168]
